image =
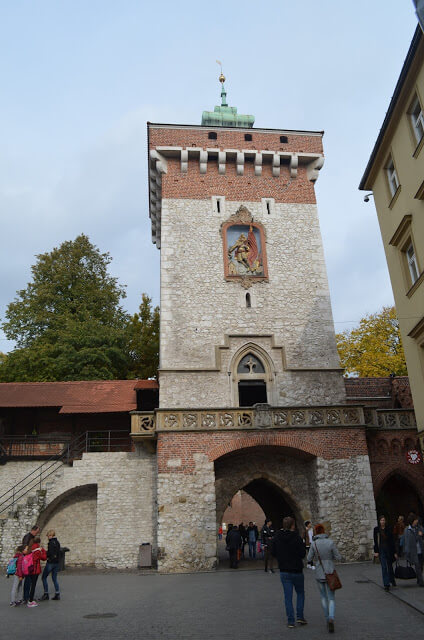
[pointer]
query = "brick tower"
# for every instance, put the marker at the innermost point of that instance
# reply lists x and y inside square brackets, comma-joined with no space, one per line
[246,321]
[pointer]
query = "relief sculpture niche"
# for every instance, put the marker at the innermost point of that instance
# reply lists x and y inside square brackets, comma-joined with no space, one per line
[244,248]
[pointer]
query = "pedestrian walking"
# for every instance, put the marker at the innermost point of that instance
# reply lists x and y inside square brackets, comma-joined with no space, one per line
[38,554]
[267,537]
[309,534]
[413,547]
[252,538]
[398,531]
[233,542]
[289,550]
[220,533]
[52,566]
[17,577]
[384,550]
[243,533]
[323,552]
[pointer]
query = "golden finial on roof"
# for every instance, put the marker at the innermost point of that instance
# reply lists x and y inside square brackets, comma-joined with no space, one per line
[221,77]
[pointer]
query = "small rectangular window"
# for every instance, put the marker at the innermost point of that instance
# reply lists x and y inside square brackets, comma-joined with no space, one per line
[212,135]
[248,136]
[412,263]
[392,177]
[284,139]
[417,119]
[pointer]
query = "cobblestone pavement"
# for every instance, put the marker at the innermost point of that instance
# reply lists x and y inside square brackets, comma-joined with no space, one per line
[243,605]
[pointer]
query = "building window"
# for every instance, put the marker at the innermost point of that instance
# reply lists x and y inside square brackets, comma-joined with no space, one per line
[218,204]
[212,135]
[268,206]
[412,263]
[417,119]
[392,177]
[248,301]
[248,137]
[284,139]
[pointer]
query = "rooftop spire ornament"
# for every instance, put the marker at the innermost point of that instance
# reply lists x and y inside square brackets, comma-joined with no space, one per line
[223,115]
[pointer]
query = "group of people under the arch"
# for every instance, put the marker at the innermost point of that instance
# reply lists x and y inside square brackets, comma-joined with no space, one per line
[289,548]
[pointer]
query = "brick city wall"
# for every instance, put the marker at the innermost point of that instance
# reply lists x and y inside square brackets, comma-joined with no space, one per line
[176,451]
[243,509]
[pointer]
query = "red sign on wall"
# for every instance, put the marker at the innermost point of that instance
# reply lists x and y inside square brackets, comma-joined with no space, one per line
[413,456]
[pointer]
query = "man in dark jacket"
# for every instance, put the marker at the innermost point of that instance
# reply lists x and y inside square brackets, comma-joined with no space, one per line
[384,549]
[267,537]
[28,538]
[289,550]
[233,541]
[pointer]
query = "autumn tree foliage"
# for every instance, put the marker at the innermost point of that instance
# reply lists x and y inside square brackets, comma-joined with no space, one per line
[374,348]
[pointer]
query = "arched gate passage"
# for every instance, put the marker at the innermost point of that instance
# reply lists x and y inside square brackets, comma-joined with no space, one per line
[281,480]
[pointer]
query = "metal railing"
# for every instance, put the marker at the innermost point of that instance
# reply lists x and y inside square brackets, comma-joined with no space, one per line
[90,441]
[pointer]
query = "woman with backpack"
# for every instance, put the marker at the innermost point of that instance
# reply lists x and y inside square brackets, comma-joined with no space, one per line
[17,575]
[38,554]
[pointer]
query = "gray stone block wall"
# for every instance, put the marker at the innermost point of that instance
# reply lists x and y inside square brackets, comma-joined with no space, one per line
[346,502]
[125,484]
[199,308]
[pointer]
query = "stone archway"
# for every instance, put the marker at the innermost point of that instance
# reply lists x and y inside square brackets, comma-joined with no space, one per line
[282,481]
[73,516]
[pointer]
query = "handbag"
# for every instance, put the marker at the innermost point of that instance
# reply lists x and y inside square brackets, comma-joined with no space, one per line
[405,573]
[332,578]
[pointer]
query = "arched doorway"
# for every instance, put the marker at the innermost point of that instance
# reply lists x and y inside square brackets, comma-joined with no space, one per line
[281,481]
[397,497]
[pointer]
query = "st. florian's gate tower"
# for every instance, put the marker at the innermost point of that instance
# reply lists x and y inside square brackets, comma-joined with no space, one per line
[251,393]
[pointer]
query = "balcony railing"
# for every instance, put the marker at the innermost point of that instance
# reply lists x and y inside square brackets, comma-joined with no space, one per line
[261,416]
[390,418]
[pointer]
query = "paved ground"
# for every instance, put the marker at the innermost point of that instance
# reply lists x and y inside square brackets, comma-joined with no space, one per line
[244,605]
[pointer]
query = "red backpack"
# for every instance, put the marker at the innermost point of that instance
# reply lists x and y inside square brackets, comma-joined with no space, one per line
[28,565]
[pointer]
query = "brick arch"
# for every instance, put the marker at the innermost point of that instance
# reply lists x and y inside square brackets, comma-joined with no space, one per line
[412,474]
[286,440]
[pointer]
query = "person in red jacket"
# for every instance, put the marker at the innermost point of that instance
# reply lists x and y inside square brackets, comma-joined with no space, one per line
[38,554]
[18,577]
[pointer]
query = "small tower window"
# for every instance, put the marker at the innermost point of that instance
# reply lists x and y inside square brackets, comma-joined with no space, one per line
[218,205]
[284,139]
[248,137]
[248,301]
[268,207]
[212,135]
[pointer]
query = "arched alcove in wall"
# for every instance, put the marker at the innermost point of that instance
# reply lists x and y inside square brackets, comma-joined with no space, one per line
[73,516]
[398,496]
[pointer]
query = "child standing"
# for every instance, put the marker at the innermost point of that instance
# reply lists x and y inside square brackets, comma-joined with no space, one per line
[17,578]
[38,554]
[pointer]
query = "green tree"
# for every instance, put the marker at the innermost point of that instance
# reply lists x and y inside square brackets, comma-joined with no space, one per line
[374,348]
[143,336]
[68,323]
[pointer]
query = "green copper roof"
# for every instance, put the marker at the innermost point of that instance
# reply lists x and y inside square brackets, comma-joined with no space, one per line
[225,116]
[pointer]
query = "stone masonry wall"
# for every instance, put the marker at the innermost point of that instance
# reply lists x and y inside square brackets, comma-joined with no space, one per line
[124,513]
[187,518]
[199,308]
[346,502]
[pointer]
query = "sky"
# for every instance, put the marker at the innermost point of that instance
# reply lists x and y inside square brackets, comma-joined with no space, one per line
[80,79]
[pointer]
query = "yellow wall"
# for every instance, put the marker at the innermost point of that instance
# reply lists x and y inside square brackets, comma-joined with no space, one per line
[400,142]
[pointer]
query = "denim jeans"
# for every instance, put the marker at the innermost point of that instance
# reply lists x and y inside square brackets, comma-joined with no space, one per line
[27,587]
[296,580]
[328,600]
[386,568]
[252,549]
[50,568]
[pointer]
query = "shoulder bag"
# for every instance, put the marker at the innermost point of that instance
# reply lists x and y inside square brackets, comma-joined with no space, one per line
[332,579]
